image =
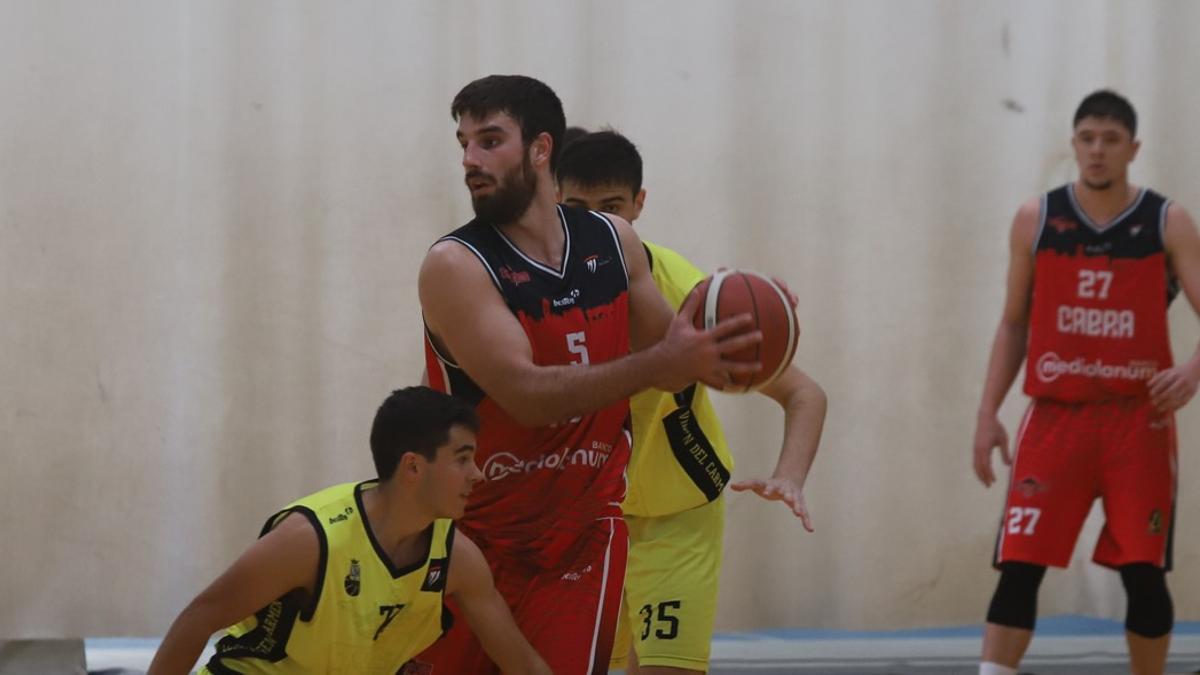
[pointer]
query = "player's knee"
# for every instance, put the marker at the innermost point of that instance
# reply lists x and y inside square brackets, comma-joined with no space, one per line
[1014,604]
[1150,612]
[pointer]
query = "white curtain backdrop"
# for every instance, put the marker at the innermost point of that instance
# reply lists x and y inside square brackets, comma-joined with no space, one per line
[212,215]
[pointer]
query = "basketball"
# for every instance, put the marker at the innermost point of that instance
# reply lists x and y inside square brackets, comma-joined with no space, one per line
[731,292]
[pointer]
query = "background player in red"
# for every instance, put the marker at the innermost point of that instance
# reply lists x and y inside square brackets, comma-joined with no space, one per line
[547,319]
[1093,265]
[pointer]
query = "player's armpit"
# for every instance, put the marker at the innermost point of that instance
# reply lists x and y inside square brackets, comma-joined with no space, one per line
[649,311]
[470,584]
[284,559]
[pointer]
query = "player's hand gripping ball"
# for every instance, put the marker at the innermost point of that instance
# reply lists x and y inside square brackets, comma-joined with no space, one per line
[731,292]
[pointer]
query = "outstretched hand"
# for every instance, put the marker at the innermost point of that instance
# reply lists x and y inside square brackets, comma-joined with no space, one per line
[783,490]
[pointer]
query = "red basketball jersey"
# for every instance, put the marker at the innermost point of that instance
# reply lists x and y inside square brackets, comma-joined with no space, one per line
[1098,322]
[545,486]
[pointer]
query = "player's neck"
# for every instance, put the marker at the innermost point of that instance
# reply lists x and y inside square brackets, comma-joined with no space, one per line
[1102,205]
[398,523]
[539,232]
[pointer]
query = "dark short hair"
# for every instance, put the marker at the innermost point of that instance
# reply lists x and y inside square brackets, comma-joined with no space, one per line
[572,134]
[415,419]
[534,106]
[1107,104]
[601,158]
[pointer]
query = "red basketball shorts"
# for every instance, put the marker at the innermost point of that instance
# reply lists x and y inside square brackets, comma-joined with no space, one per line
[569,613]
[1070,454]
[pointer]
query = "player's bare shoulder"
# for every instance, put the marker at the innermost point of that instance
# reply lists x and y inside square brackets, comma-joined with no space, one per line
[1179,226]
[1026,223]
[451,275]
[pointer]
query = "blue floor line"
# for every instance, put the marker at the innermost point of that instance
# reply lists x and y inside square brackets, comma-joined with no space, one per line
[1058,626]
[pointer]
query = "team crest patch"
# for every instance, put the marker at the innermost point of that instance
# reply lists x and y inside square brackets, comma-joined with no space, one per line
[1030,487]
[1062,224]
[435,578]
[1156,526]
[353,581]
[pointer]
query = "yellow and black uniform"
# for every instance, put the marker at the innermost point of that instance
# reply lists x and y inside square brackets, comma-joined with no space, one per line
[678,471]
[366,616]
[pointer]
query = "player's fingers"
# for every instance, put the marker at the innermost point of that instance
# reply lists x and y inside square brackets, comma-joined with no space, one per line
[691,303]
[1004,453]
[805,518]
[716,381]
[732,326]
[743,485]
[731,345]
[793,299]
[1158,384]
[983,467]
[740,368]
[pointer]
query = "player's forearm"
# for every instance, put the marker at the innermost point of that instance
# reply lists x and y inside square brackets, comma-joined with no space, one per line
[181,647]
[549,394]
[804,405]
[1008,352]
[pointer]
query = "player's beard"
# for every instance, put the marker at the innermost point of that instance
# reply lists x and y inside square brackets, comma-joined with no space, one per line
[511,198]
[1098,187]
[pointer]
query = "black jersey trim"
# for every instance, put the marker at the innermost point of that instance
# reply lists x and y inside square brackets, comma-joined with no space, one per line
[384,558]
[307,613]
[616,240]
[693,451]
[437,352]
[486,266]
[561,273]
[1083,217]
[1043,211]
[1162,223]
[447,615]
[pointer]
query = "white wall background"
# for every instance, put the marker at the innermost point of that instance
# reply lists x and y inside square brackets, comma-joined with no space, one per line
[212,213]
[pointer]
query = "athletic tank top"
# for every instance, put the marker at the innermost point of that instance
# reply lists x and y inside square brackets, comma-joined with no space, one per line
[1098,321]
[546,486]
[680,457]
[366,615]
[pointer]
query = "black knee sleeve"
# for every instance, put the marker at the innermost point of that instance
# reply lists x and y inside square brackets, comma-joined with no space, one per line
[1014,603]
[1149,613]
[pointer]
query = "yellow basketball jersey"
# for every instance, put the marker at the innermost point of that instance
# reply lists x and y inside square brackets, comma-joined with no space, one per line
[680,457]
[367,616]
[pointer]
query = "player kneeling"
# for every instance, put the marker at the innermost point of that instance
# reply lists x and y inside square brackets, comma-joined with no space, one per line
[353,578]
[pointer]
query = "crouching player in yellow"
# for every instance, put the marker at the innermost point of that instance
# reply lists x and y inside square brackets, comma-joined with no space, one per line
[674,508]
[352,579]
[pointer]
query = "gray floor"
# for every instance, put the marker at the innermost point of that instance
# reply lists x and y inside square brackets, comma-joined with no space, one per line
[913,653]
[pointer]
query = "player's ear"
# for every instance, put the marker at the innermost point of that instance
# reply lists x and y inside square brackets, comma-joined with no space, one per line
[410,464]
[639,200]
[540,149]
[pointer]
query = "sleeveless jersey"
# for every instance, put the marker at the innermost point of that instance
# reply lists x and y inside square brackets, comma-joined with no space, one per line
[1098,320]
[546,486]
[673,472]
[366,615]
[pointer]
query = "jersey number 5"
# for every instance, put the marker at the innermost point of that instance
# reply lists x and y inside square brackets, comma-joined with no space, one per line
[672,622]
[576,346]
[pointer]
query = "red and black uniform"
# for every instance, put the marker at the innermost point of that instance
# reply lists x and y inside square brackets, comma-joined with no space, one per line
[548,515]
[1097,333]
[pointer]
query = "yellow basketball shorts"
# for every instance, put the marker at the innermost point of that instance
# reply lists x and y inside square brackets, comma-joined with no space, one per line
[670,600]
